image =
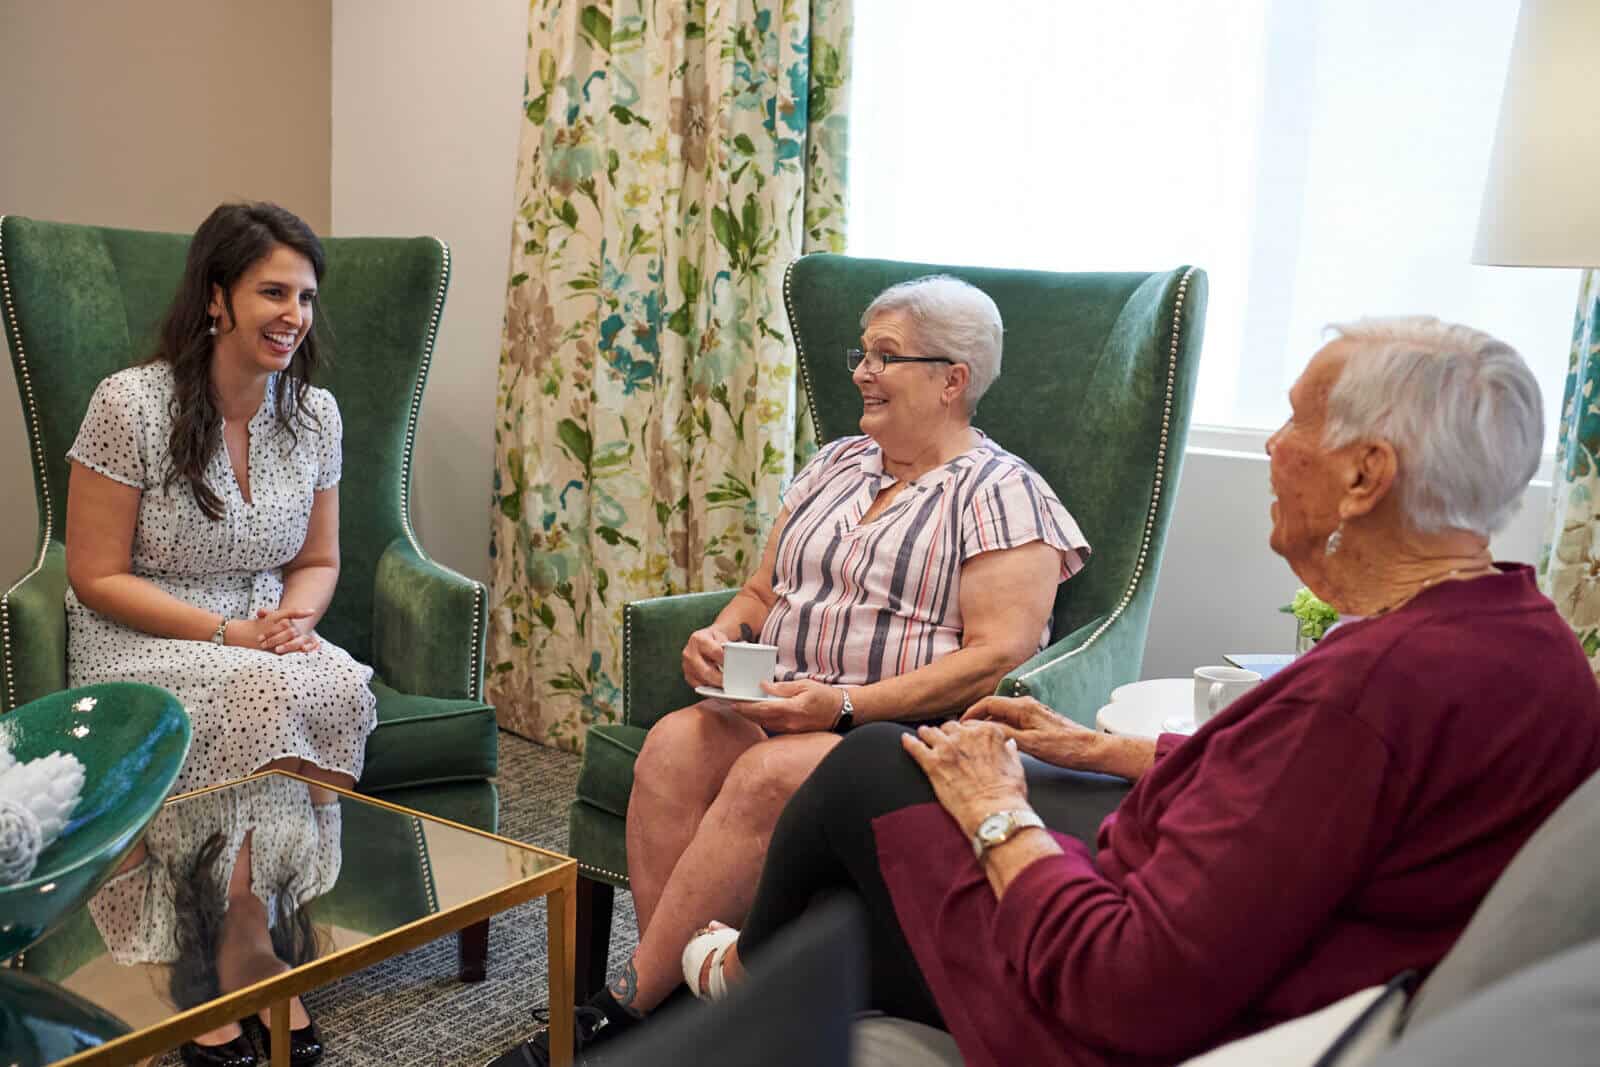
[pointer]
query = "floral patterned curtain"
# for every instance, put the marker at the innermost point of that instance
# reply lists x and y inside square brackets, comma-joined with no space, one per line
[677,155]
[1569,566]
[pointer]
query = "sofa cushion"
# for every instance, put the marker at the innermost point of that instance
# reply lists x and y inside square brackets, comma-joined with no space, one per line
[884,1041]
[420,740]
[606,778]
[1546,901]
[1346,1033]
[1548,1015]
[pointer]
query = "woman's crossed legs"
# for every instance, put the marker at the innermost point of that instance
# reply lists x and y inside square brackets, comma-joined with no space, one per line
[708,788]
[825,843]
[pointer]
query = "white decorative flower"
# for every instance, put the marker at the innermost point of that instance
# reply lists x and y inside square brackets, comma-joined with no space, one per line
[49,788]
[86,704]
[21,841]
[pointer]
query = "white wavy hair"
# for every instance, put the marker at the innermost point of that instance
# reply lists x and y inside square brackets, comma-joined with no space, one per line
[951,319]
[1460,407]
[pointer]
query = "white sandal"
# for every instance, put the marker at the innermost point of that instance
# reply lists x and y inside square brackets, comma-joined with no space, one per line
[712,942]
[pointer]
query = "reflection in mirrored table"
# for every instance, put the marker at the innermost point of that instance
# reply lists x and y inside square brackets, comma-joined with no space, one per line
[237,883]
[217,896]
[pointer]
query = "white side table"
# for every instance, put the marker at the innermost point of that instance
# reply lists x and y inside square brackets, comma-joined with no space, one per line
[1139,709]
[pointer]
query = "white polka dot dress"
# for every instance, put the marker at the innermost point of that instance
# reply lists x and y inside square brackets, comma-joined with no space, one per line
[294,848]
[247,707]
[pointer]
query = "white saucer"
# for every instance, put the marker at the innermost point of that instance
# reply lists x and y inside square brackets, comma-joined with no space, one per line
[1148,708]
[1179,724]
[716,693]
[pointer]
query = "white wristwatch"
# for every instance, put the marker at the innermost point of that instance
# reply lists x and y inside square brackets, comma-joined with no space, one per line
[1001,827]
[219,636]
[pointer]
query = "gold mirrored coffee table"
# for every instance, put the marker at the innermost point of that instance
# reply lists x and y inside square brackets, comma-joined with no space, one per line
[188,934]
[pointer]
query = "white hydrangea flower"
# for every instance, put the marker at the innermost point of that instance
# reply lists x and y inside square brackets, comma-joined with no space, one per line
[46,790]
[21,841]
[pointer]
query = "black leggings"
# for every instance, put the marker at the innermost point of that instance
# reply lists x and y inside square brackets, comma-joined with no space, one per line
[823,844]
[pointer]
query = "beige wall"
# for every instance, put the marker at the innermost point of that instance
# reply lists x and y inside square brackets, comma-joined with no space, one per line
[147,113]
[427,106]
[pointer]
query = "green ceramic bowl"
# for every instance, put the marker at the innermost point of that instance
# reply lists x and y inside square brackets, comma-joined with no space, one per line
[131,740]
[41,1023]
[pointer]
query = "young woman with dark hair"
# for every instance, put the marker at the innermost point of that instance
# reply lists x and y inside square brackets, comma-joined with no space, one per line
[203,515]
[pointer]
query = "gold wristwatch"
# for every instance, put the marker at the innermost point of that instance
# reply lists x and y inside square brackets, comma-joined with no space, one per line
[1001,827]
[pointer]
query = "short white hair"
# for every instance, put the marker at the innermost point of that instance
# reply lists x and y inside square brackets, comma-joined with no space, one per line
[951,319]
[1461,409]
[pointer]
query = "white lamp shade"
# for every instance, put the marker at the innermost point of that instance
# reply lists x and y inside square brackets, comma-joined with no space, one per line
[1541,202]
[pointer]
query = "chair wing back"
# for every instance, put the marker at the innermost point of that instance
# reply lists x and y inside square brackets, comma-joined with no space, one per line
[81,302]
[1096,383]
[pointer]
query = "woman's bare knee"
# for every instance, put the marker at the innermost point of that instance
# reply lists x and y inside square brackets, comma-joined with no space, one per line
[688,752]
[765,776]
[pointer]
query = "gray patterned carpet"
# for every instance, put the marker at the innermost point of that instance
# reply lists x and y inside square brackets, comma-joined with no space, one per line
[412,1009]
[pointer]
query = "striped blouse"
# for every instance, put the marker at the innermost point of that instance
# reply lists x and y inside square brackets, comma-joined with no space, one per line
[857,603]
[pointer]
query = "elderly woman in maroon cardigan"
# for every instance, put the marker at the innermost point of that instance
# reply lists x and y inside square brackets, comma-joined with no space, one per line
[1333,827]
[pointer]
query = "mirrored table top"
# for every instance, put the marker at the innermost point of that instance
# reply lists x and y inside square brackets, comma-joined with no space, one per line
[244,881]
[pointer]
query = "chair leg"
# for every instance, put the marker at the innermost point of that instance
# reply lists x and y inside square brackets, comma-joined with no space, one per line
[594,936]
[472,946]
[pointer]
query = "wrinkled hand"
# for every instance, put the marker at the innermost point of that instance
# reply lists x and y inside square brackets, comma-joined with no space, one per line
[1036,729]
[280,631]
[973,768]
[803,706]
[702,656]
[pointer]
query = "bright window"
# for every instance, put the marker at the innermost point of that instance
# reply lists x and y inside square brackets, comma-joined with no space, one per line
[1321,159]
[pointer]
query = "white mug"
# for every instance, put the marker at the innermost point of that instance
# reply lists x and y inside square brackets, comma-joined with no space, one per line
[1217,687]
[745,665]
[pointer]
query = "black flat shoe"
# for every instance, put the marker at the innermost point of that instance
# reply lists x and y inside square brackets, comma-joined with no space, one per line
[592,1024]
[236,1053]
[305,1044]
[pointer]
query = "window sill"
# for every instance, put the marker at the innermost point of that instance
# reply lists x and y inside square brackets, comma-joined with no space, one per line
[1244,443]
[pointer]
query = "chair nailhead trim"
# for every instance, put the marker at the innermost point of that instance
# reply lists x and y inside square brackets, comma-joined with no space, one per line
[422,863]
[799,348]
[627,657]
[36,441]
[415,412]
[1019,684]
[480,596]
[613,876]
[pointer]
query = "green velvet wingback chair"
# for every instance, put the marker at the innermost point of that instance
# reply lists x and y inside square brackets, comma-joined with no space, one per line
[80,302]
[1097,379]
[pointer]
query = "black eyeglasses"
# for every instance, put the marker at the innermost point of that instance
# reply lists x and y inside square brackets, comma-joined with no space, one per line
[877,362]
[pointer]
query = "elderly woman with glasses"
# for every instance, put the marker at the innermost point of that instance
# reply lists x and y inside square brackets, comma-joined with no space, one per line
[1332,828]
[909,569]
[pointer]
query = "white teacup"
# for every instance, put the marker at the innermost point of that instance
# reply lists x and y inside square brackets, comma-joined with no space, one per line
[1217,687]
[745,665]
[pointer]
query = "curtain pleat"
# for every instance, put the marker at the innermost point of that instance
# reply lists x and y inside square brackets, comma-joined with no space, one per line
[1569,565]
[674,158]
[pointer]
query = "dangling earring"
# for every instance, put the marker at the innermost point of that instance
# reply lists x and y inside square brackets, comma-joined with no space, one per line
[213,329]
[1335,539]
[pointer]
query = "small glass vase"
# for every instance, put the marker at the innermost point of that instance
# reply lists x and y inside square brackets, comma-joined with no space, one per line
[1302,643]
